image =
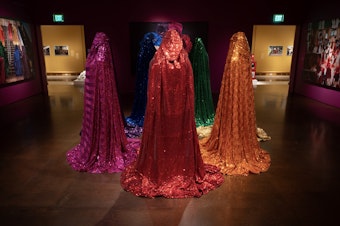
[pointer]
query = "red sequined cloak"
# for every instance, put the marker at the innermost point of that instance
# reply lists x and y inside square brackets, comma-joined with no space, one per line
[170,163]
[233,144]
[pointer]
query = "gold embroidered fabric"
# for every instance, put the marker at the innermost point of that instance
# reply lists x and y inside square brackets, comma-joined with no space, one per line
[233,144]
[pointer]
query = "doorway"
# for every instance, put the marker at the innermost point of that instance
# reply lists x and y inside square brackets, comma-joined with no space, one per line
[273,46]
[64,52]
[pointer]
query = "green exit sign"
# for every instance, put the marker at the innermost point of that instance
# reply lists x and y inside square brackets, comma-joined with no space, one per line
[278,18]
[58,18]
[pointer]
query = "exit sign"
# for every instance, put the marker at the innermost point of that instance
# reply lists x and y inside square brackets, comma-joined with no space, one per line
[58,18]
[278,18]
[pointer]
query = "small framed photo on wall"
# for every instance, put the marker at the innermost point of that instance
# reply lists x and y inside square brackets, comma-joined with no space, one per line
[275,50]
[61,50]
[46,50]
[289,50]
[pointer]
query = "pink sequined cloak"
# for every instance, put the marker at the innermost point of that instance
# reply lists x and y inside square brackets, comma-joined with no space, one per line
[170,163]
[104,146]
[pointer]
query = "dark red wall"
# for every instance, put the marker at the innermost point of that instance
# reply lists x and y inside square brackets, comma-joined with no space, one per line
[114,17]
[223,19]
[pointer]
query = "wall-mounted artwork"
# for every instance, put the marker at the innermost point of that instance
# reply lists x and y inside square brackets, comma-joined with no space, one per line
[289,50]
[275,50]
[47,51]
[16,52]
[61,50]
[322,59]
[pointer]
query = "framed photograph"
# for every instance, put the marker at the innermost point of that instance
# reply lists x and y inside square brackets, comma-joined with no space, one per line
[275,50]
[16,52]
[46,50]
[321,62]
[61,50]
[289,50]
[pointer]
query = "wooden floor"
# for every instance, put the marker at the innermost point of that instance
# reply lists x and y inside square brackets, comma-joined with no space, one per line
[37,186]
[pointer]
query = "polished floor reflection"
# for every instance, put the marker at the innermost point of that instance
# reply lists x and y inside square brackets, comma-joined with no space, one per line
[37,186]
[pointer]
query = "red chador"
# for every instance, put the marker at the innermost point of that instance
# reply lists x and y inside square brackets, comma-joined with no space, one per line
[169,163]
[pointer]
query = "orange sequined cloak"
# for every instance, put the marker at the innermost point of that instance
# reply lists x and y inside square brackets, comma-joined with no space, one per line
[233,144]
